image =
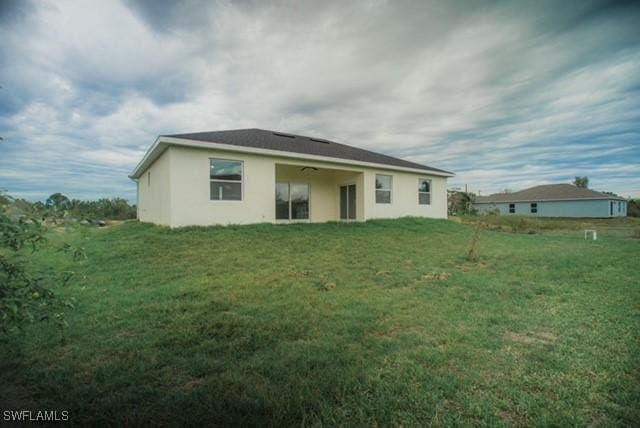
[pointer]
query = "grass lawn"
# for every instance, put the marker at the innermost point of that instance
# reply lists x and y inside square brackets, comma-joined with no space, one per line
[383,323]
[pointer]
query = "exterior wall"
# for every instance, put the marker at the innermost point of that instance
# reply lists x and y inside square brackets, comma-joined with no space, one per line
[404,196]
[191,204]
[619,210]
[584,209]
[185,200]
[154,192]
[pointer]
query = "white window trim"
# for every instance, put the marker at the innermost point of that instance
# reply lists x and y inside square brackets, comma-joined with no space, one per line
[227,181]
[294,220]
[420,180]
[390,189]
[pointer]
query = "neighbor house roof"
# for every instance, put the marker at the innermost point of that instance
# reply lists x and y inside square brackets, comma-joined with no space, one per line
[272,141]
[546,192]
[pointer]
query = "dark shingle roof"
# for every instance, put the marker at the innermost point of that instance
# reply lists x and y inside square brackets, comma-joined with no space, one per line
[547,192]
[271,140]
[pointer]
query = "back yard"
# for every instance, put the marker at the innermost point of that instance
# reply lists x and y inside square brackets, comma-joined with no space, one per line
[383,323]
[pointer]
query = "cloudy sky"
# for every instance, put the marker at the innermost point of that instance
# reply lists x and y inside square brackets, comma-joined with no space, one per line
[505,94]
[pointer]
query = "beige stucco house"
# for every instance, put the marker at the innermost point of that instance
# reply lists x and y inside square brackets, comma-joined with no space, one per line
[253,176]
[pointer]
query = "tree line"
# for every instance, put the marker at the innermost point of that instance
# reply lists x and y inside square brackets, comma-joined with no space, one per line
[60,207]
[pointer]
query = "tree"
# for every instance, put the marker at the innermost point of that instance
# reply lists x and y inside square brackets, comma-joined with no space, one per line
[633,208]
[57,201]
[581,182]
[25,296]
[460,202]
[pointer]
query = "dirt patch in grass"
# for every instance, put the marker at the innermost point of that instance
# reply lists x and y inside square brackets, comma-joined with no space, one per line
[514,418]
[435,276]
[532,338]
[329,286]
[387,333]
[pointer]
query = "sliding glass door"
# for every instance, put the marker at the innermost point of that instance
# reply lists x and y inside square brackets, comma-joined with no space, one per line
[292,201]
[348,202]
[299,195]
[282,201]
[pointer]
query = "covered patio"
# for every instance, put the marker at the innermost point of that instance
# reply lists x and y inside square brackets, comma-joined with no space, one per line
[309,192]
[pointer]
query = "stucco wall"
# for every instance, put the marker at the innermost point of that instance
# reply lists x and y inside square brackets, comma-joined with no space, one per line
[187,186]
[154,192]
[588,208]
[191,204]
[404,196]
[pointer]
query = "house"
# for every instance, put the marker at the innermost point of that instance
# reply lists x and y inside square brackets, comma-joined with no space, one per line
[252,175]
[553,200]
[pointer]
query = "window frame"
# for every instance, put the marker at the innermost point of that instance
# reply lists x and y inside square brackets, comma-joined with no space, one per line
[514,208]
[241,181]
[420,180]
[390,189]
[533,207]
[294,220]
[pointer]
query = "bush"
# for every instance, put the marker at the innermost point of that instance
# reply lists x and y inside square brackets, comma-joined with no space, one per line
[25,297]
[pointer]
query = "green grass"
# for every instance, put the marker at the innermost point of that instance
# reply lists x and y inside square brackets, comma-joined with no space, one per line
[383,323]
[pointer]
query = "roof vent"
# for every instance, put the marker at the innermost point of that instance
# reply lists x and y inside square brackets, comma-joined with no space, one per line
[320,140]
[280,134]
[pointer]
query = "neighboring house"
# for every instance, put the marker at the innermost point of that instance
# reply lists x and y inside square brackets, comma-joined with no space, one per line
[554,200]
[253,175]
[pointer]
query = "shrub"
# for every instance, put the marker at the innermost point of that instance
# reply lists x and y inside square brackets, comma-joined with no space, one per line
[25,297]
[472,253]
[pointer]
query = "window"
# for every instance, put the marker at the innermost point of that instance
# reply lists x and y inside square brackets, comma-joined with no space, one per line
[424,192]
[512,208]
[619,206]
[292,201]
[225,180]
[534,208]
[383,189]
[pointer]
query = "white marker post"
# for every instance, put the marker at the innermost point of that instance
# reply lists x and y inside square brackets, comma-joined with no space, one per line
[593,233]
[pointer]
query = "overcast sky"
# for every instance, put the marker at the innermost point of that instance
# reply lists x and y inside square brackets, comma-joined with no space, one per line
[506,95]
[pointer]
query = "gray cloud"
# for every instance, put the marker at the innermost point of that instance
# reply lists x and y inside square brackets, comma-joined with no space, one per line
[506,94]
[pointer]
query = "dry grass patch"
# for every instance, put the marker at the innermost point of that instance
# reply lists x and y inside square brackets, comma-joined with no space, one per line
[435,276]
[532,338]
